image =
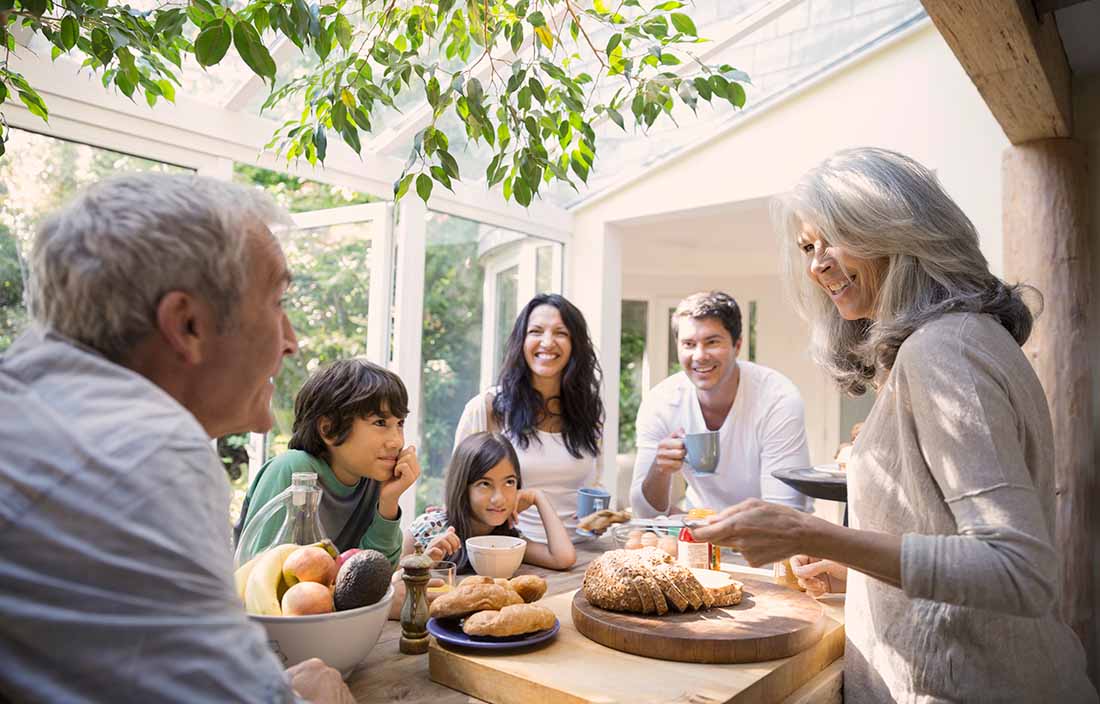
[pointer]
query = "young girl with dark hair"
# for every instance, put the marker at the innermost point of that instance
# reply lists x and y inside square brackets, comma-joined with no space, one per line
[547,402]
[485,495]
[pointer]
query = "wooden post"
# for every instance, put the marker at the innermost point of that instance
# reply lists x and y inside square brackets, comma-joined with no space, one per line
[1046,237]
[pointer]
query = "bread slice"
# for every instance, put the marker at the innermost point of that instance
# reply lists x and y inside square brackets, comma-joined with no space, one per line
[722,589]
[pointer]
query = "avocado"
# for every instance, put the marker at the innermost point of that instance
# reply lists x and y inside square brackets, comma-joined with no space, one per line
[362,580]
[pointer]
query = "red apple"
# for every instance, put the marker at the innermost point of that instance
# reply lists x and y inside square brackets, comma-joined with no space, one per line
[344,557]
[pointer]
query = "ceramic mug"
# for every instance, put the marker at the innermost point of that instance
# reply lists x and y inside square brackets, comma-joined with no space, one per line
[702,451]
[591,499]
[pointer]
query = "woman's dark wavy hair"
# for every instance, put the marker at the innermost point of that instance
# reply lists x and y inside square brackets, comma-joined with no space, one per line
[518,407]
[474,456]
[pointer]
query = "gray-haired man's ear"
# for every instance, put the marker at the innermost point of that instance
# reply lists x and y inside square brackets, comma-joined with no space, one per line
[184,322]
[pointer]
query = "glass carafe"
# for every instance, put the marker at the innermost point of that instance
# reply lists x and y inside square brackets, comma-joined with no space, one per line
[301,520]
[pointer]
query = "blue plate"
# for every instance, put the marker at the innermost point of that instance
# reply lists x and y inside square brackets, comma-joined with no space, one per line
[450,631]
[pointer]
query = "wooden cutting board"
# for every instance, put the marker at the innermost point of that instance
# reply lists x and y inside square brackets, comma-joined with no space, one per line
[771,622]
[571,669]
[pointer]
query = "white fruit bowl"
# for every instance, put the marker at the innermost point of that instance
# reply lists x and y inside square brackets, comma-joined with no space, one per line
[343,639]
[496,556]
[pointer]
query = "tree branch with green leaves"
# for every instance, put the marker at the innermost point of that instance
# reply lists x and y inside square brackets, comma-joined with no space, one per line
[515,74]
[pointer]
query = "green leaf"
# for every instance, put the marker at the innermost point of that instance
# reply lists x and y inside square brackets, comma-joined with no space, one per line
[613,42]
[719,86]
[600,7]
[515,37]
[703,87]
[35,7]
[431,91]
[440,175]
[671,5]
[449,164]
[124,84]
[320,141]
[474,93]
[536,19]
[102,47]
[34,103]
[616,118]
[537,89]
[736,95]
[424,187]
[252,50]
[522,191]
[656,27]
[343,32]
[70,32]
[402,186]
[683,24]
[167,90]
[212,42]
[351,137]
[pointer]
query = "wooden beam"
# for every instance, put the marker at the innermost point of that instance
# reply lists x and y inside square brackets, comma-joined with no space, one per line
[1046,238]
[1015,59]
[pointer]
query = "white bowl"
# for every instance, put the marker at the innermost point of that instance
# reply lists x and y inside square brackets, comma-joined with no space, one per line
[343,639]
[496,555]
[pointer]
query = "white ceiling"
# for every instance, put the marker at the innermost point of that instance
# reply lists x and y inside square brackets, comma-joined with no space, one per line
[733,240]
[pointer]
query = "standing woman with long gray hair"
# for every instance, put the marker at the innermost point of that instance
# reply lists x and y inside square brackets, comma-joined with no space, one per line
[949,565]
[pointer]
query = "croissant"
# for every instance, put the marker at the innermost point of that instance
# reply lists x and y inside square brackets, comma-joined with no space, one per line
[510,621]
[471,598]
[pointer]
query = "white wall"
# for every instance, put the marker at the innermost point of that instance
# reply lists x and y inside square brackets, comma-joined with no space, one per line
[910,95]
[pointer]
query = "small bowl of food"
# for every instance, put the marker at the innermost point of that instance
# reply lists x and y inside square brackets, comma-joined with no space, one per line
[497,556]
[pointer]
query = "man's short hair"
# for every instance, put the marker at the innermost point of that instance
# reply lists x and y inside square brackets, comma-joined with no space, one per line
[101,265]
[710,304]
[340,393]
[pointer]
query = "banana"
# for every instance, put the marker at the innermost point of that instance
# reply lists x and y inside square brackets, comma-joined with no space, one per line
[261,590]
[328,546]
[240,577]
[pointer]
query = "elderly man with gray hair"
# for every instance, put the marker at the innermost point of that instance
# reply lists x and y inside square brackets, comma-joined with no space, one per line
[158,324]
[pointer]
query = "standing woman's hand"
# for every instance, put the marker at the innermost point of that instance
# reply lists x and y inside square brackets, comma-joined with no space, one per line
[763,532]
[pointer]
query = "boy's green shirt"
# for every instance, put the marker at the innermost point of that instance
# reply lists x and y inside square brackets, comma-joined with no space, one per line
[381,534]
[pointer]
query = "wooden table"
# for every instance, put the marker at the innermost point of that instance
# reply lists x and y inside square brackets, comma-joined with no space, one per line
[389,676]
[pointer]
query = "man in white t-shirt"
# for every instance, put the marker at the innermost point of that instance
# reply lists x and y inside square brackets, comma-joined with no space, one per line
[757,412]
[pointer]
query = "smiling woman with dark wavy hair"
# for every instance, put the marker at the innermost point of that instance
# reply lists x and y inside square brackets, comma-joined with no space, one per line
[547,400]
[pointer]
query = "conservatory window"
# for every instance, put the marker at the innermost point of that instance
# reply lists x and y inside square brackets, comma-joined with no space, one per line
[39,174]
[476,279]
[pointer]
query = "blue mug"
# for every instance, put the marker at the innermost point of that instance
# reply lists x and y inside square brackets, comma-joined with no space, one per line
[591,499]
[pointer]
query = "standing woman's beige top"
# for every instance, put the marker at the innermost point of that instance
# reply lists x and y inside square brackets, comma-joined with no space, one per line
[957,456]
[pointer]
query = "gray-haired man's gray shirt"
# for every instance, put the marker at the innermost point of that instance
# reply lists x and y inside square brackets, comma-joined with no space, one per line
[115,560]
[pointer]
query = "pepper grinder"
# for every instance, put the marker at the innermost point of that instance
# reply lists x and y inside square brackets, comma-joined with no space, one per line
[414,612]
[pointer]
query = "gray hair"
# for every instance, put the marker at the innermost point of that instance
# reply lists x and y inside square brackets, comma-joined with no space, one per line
[879,204]
[101,265]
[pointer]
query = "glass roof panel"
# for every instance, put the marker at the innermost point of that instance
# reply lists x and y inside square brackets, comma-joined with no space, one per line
[792,46]
[787,50]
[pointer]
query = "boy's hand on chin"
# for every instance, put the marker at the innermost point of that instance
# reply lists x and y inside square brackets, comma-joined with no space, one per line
[405,473]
